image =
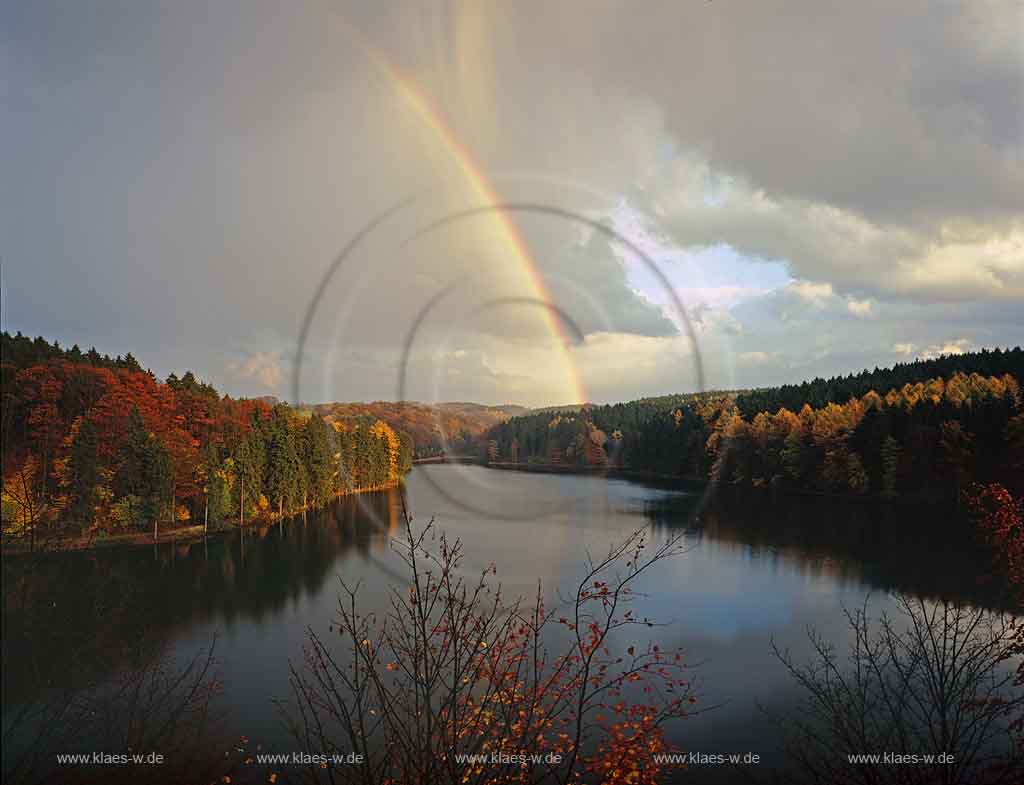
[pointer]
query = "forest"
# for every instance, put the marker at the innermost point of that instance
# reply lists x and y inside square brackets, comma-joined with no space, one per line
[840,389]
[899,432]
[95,445]
[452,428]
[98,444]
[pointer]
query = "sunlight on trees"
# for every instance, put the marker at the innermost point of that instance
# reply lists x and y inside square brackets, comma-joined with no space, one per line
[98,445]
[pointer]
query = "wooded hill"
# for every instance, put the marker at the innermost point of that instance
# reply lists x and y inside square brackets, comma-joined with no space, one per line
[840,389]
[457,426]
[95,443]
[917,436]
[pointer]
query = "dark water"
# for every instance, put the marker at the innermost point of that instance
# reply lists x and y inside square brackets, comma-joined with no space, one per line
[753,573]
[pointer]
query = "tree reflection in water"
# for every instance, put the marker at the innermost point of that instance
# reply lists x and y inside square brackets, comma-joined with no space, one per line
[88,664]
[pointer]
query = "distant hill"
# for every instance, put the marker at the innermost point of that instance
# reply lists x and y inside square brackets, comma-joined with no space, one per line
[922,430]
[511,409]
[456,425]
[654,403]
[840,389]
[569,408]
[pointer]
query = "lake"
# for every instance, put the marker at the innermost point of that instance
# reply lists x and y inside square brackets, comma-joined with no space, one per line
[752,573]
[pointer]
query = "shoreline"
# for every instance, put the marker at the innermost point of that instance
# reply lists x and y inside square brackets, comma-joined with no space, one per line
[688,482]
[193,533]
[612,472]
[178,535]
[618,472]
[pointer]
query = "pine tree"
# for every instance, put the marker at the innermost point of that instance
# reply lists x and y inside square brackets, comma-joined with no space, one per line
[218,477]
[283,477]
[145,470]
[345,476]
[250,465]
[318,459]
[83,465]
[405,453]
[956,454]
[857,477]
[890,463]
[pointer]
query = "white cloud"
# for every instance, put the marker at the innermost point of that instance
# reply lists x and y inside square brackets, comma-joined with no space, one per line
[708,319]
[956,346]
[860,308]
[974,260]
[753,357]
[814,293]
[824,245]
[906,349]
[264,368]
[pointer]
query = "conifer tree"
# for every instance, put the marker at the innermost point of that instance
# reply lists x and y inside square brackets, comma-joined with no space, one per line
[83,465]
[890,463]
[318,459]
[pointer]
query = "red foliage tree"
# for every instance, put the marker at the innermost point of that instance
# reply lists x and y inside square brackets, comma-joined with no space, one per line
[1000,518]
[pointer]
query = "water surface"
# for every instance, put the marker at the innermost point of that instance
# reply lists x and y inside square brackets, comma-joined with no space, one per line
[753,573]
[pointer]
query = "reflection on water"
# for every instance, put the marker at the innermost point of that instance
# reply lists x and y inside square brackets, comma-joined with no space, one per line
[927,552]
[753,573]
[250,573]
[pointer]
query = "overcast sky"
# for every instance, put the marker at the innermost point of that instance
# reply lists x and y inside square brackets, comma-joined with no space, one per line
[787,190]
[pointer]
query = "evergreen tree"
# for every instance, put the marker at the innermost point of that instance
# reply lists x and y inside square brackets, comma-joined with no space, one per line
[145,471]
[284,468]
[890,465]
[857,477]
[83,464]
[318,457]
[346,460]
[218,487]
[405,453]
[250,467]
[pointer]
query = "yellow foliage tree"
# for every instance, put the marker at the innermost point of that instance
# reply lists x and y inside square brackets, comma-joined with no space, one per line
[381,430]
[21,499]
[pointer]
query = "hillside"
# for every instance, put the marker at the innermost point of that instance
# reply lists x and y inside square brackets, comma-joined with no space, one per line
[841,389]
[94,446]
[922,430]
[459,423]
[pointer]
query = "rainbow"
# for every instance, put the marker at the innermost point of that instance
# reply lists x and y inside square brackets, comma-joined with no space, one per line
[506,229]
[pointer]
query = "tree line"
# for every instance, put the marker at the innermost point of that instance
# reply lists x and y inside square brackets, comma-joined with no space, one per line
[927,438]
[20,351]
[839,389]
[108,447]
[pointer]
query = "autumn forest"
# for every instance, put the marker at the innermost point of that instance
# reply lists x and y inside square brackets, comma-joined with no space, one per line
[98,450]
[554,393]
[919,431]
[97,446]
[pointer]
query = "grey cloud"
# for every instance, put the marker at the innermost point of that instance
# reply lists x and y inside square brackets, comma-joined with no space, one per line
[895,111]
[807,340]
[589,283]
[820,242]
[179,176]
